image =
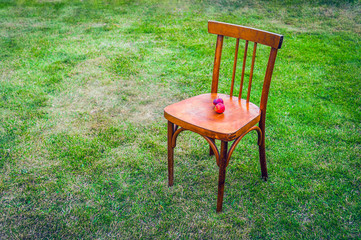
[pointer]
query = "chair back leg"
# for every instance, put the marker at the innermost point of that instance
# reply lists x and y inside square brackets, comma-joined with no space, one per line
[262,160]
[262,149]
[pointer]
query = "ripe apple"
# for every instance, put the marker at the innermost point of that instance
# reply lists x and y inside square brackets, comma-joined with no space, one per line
[217,100]
[219,108]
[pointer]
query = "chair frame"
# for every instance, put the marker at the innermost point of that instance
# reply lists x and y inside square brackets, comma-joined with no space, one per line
[223,156]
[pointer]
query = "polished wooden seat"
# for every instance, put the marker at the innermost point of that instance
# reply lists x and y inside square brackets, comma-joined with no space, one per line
[198,114]
[240,117]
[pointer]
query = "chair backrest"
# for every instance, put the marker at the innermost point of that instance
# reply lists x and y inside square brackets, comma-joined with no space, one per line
[250,35]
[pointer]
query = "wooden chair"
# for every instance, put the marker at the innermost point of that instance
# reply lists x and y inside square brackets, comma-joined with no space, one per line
[240,117]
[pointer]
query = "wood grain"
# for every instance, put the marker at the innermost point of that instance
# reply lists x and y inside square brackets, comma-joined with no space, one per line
[234,66]
[251,73]
[217,64]
[243,70]
[251,34]
[197,114]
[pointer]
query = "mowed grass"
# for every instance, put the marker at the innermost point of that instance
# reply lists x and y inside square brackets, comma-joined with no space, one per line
[83,138]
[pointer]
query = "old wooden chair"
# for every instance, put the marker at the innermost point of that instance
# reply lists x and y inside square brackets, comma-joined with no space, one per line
[240,117]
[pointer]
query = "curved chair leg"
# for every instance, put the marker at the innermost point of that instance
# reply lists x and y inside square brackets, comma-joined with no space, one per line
[211,153]
[170,153]
[222,174]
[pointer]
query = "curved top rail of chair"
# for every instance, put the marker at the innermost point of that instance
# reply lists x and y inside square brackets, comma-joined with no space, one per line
[251,34]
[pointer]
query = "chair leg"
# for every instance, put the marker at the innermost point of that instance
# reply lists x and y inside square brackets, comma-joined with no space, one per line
[170,153]
[262,157]
[222,174]
[211,153]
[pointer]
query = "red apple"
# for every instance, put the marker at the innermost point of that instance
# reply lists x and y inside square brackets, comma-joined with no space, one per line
[219,108]
[217,100]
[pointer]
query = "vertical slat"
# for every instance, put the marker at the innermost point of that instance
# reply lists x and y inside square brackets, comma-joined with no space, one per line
[217,63]
[234,66]
[251,73]
[243,69]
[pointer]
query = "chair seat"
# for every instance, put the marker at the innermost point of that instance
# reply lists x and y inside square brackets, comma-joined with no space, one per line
[197,114]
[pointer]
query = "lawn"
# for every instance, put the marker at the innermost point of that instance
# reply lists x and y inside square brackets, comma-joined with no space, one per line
[83,138]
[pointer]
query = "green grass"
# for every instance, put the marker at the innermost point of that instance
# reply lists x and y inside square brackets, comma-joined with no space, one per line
[83,138]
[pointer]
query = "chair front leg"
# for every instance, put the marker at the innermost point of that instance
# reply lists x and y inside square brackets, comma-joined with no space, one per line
[170,153]
[222,174]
